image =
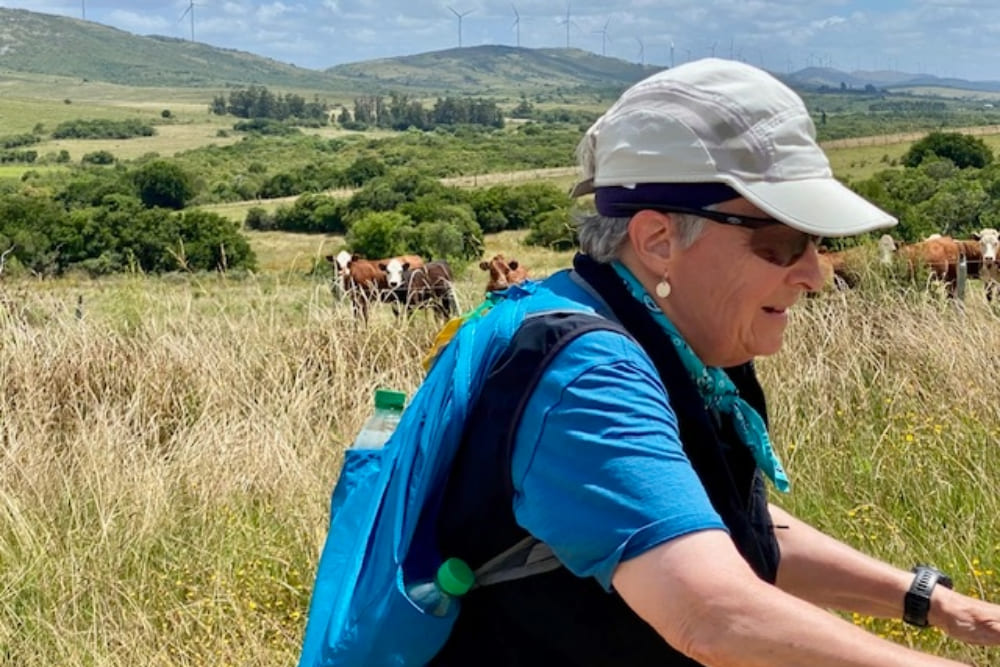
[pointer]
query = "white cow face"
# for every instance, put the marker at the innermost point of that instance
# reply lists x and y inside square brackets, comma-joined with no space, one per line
[989,241]
[394,271]
[343,258]
[886,248]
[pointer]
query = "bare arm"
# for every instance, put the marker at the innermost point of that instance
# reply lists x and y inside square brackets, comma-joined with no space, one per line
[828,573]
[704,600]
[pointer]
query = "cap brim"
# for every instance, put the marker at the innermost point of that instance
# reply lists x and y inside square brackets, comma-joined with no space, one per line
[821,206]
[584,187]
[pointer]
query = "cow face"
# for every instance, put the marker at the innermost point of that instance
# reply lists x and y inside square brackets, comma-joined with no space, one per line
[989,241]
[394,269]
[498,269]
[886,248]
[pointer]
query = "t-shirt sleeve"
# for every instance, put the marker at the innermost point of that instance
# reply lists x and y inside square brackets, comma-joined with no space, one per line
[598,468]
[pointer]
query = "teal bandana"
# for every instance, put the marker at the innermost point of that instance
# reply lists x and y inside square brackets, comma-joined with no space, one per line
[717,390]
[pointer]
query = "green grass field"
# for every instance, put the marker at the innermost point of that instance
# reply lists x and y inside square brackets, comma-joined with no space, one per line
[166,457]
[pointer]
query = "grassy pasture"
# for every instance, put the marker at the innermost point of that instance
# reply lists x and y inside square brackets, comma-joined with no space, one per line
[166,458]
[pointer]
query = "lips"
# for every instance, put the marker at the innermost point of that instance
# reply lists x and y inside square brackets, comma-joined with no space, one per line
[775,310]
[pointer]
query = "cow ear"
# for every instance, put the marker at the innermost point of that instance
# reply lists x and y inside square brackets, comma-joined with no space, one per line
[484,266]
[331,259]
[406,266]
[383,266]
[975,235]
[355,257]
[513,264]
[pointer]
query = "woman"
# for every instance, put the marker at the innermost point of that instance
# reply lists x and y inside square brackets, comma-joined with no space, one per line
[642,463]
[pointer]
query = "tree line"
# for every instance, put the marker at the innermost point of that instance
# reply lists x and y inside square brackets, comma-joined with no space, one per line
[401,112]
[259,102]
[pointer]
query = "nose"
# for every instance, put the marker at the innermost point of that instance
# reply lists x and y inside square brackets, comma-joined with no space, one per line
[806,273]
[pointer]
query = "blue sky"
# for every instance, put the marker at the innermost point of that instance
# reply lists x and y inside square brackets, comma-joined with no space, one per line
[941,37]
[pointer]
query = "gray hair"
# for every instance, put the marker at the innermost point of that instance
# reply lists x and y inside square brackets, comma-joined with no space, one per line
[602,236]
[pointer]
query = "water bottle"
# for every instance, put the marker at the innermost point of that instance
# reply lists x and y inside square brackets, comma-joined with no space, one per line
[453,580]
[378,428]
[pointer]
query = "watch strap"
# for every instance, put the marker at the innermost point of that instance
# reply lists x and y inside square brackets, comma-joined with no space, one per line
[917,602]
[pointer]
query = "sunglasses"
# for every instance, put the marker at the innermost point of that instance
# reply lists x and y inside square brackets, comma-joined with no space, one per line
[772,241]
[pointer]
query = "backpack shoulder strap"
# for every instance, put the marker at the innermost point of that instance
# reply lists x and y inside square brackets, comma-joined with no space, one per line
[509,386]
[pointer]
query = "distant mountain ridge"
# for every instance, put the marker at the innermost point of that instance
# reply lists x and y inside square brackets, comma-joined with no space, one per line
[815,77]
[33,42]
[495,68]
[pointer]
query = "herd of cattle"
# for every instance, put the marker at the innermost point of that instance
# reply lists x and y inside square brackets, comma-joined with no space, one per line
[939,257]
[408,282]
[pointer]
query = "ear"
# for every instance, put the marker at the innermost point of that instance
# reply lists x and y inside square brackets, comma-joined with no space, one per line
[383,266]
[513,264]
[355,257]
[484,266]
[975,235]
[406,266]
[331,259]
[652,239]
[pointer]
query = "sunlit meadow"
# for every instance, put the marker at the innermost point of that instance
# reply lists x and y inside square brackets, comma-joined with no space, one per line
[168,446]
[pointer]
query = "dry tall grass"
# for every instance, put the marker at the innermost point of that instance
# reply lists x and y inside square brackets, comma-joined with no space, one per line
[166,459]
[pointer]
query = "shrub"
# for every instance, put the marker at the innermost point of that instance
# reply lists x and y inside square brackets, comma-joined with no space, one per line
[258,218]
[162,183]
[166,113]
[102,129]
[554,230]
[379,234]
[962,149]
[98,157]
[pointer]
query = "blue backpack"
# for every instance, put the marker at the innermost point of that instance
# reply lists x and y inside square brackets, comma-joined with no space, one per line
[377,544]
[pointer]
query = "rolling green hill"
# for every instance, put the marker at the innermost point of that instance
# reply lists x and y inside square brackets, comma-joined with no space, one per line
[495,69]
[36,43]
[58,45]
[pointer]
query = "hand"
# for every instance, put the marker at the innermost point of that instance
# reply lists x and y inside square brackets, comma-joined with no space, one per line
[965,618]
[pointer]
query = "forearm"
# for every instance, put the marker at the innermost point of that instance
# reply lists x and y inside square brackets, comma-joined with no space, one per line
[731,618]
[831,574]
[798,633]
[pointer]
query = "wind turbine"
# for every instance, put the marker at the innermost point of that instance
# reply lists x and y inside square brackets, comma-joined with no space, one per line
[460,23]
[604,36]
[83,9]
[517,23]
[189,10]
[642,52]
[567,21]
[671,52]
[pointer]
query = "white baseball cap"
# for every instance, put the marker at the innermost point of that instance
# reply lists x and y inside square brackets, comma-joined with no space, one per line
[722,121]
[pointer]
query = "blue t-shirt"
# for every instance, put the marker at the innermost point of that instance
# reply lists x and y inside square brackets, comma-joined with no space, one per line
[598,468]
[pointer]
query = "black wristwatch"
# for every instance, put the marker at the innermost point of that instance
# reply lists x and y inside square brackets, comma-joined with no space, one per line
[917,602]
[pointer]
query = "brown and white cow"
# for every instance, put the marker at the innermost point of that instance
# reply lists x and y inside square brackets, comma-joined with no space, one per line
[366,280]
[988,244]
[503,273]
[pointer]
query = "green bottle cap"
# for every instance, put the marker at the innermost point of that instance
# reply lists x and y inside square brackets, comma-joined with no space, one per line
[387,399]
[455,577]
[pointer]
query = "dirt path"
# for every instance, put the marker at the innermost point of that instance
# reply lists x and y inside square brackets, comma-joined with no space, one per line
[902,137]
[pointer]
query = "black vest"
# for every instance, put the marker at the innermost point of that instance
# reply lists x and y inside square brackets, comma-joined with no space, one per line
[557,618]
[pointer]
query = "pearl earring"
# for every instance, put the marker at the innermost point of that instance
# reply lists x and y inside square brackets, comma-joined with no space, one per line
[663,288]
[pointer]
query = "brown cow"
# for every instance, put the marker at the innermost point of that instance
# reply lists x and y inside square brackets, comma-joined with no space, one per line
[503,274]
[428,286]
[839,268]
[939,256]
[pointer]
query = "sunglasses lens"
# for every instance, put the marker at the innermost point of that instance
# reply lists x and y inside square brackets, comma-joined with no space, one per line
[780,245]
